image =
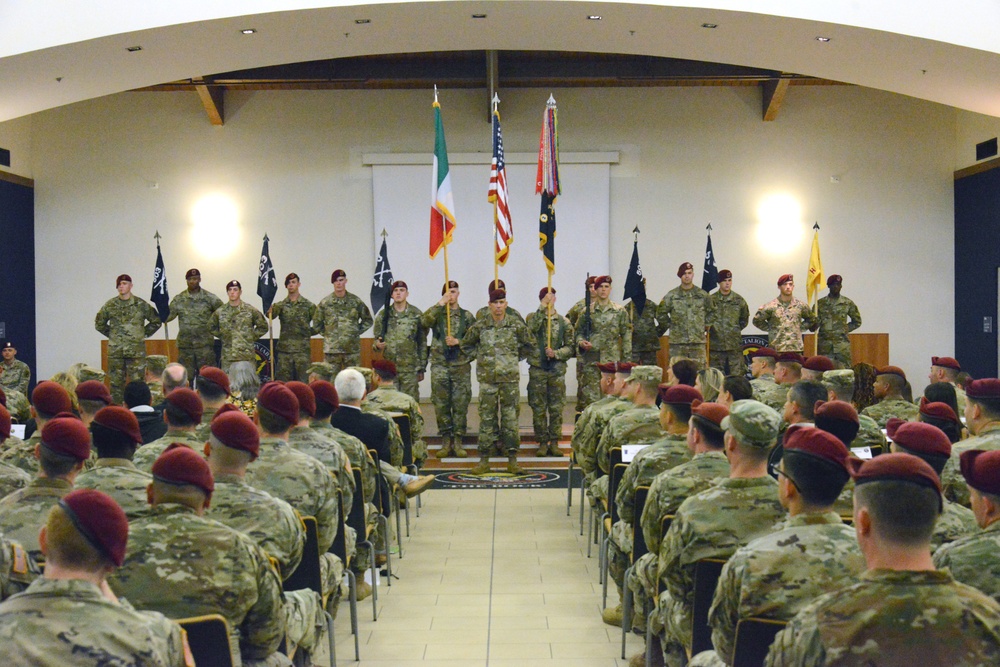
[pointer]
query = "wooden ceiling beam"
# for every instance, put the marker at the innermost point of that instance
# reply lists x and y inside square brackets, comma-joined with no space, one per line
[213,99]
[772,95]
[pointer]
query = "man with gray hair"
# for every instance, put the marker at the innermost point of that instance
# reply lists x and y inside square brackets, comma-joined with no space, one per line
[174,375]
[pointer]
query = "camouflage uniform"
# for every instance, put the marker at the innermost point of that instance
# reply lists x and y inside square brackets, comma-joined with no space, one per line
[784,322]
[342,320]
[405,346]
[498,348]
[451,380]
[640,423]
[12,478]
[730,316]
[711,524]
[769,392]
[646,332]
[120,479]
[956,522]
[238,327]
[127,323]
[294,351]
[870,435]
[778,574]
[69,622]
[195,344]
[952,481]
[611,338]
[888,408]
[392,400]
[974,560]
[14,376]
[182,565]
[18,406]
[146,455]
[327,451]
[837,317]
[590,434]
[686,313]
[894,619]
[484,312]
[21,454]
[17,569]
[395,437]
[547,377]
[23,513]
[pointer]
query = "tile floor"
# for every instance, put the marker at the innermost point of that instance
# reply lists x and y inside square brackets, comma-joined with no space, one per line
[489,577]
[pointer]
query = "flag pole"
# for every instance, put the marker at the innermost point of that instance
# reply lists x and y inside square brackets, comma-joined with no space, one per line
[708,344]
[270,327]
[166,325]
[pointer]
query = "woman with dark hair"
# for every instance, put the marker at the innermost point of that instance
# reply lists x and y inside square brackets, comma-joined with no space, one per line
[864,386]
[942,392]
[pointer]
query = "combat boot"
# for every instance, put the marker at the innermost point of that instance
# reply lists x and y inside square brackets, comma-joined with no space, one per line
[512,466]
[446,448]
[542,449]
[612,616]
[483,467]
[554,449]
[459,449]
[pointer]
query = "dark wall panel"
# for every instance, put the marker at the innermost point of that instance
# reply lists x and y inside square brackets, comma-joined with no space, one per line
[17,269]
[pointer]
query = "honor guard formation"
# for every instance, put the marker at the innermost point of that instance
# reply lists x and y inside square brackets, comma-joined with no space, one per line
[835,519]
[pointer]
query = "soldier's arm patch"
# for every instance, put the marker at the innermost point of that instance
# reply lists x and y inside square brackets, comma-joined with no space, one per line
[19,559]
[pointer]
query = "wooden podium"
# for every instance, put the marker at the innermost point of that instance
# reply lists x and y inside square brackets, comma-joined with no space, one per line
[870,348]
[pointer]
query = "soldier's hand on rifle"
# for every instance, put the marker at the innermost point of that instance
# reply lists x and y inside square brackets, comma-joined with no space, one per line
[451,340]
[379,344]
[550,353]
[585,345]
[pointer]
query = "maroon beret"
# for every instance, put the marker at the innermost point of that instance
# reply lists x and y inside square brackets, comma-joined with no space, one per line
[600,280]
[399,283]
[226,408]
[985,388]
[891,370]
[65,434]
[325,392]
[609,367]
[684,267]
[305,397]
[497,295]
[937,410]
[895,467]
[918,437]
[215,376]
[590,281]
[3,398]
[448,286]
[51,398]
[187,401]
[545,290]
[234,429]
[384,367]
[785,278]
[100,520]
[725,274]
[179,464]
[495,284]
[233,283]
[789,357]
[290,277]
[624,367]
[838,418]
[123,278]
[339,273]
[713,412]
[834,279]
[946,362]
[279,399]
[4,423]
[981,469]
[191,273]
[92,390]
[818,363]
[120,419]
[817,443]
[679,394]
[764,352]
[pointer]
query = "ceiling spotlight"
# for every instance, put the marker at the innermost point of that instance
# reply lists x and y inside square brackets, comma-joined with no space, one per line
[823,39]
[594,17]
[248,31]
[710,26]
[362,21]
[133,49]
[479,16]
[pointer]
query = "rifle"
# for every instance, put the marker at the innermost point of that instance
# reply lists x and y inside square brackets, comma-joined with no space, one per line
[588,323]
[385,318]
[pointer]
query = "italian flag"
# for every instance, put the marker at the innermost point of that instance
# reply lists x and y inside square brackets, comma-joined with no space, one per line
[442,200]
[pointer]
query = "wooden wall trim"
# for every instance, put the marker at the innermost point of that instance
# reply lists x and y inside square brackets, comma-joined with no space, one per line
[978,168]
[17,180]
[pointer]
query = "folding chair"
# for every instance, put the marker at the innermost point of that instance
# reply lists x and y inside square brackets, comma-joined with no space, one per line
[639,549]
[665,522]
[383,501]
[706,576]
[208,637]
[609,517]
[307,575]
[358,521]
[403,422]
[754,637]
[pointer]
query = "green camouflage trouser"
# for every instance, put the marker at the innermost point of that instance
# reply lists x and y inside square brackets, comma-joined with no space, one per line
[730,362]
[121,371]
[837,349]
[588,384]
[619,553]
[451,392]
[341,360]
[193,358]
[499,406]
[408,383]
[292,366]
[644,357]
[546,397]
[695,352]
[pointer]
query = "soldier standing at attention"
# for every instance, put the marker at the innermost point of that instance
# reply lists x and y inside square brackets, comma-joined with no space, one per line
[484,312]
[127,321]
[342,319]
[547,371]
[903,611]
[837,316]
[297,315]
[686,312]
[730,316]
[576,310]
[784,317]
[646,332]
[451,368]
[609,339]
[498,343]
[194,307]
[239,325]
[14,375]
[403,339]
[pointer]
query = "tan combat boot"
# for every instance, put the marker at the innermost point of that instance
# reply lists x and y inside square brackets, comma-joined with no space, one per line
[483,467]
[458,449]
[446,448]
[542,449]
[512,466]
[554,449]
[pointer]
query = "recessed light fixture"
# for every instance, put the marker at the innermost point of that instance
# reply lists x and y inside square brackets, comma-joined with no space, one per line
[479,16]
[823,39]
[248,31]
[133,49]
[710,26]
[362,21]
[594,17]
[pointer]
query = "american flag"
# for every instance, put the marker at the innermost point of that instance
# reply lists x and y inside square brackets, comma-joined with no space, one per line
[498,195]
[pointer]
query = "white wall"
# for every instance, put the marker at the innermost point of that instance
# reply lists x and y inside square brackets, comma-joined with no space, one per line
[292,163]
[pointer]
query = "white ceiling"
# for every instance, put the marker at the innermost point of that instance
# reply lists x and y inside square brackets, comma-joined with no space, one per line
[943,52]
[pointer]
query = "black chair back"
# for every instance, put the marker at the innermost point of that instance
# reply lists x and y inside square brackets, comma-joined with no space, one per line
[706,576]
[307,574]
[403,422]
[754,637]
[208,637]
[639,548]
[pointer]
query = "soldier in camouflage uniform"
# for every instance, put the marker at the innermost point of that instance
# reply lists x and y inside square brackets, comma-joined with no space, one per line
[69,619]
[297,315]
[183,411]
[451,369]
[127,321]
[11,477]
[155,365]
[553,336]
[183,564]
[687,313]
[610,391]
[982,417]
[609,339]
[903,611]
[837,316]
[18,405]
[812,553]
[889,384]
[342,318]
[391,400]
[498,344]
[646,332]
[14,375]
[717,521]
[762,370]
[17,569]
[946,369]
[395,437]
[194,307]
[484,312]
[115,433]
[840,387]
[641,422]
[49,399]
[405,341]
[595,424]
[785,317]
[730,316]
[578,308]
[238,325]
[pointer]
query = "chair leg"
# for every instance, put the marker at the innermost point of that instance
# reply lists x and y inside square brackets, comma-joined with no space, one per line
[583,484]
[569,487]
[590,530]
[627,601]
[406,507]
[399,530]
[332,640]
[371,551]
[419,505]
[352,588]
[601,550]
[388,551]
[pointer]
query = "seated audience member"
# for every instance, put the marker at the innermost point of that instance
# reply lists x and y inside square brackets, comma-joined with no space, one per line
[115,435]
[139,400]
[182,412]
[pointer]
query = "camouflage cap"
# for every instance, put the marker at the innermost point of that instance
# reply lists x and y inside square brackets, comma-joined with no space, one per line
[752,423]
[155,363]
[90,373]
[646,375]
[839,380]
[367,373]
[321,369]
